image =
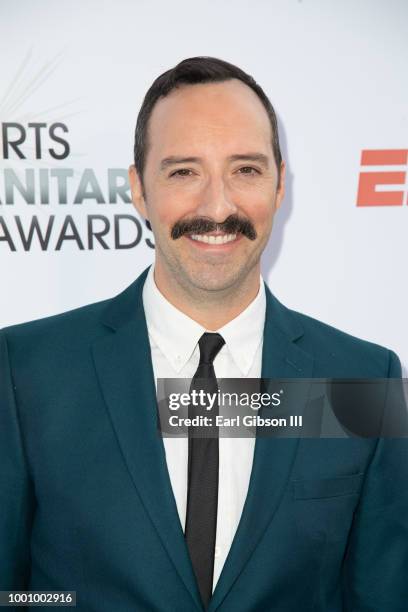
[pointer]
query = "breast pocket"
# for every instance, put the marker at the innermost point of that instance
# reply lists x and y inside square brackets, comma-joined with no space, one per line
[323,508]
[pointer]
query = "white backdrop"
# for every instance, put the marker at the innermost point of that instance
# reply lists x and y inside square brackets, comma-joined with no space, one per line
[336,74]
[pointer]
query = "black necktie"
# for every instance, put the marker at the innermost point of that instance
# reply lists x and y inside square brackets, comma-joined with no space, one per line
[202,492]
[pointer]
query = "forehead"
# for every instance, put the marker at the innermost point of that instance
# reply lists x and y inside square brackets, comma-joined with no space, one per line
[228,115]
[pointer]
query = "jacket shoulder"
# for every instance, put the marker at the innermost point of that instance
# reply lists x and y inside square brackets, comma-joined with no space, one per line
[350,353]
[84,322]
[81,322]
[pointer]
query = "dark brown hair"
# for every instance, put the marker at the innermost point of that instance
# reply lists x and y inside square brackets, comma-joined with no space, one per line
[191,71]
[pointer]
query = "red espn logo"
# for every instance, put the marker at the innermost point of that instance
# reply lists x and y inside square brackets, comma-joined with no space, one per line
[372,189]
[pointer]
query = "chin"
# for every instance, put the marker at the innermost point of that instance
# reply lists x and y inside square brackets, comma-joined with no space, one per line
[214,279]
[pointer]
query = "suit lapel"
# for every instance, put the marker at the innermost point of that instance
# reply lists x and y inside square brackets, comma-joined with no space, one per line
[122,359]
[123,364]
[273,458]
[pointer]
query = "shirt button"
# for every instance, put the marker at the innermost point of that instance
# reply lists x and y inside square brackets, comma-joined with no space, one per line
[217,552]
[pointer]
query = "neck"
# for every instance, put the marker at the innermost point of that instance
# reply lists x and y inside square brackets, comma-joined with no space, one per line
[211,309]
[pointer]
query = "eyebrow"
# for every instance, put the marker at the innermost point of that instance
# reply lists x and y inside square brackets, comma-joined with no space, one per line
[174,159]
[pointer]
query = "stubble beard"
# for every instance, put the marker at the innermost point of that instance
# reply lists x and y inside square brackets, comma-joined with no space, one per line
[212,280]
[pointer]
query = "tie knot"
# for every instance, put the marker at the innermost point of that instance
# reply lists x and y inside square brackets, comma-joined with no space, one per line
[210,345]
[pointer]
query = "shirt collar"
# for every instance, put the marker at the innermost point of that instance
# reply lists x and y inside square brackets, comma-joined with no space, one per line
[177,335]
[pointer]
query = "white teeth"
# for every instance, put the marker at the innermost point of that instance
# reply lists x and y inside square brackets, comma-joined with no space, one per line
[214,239]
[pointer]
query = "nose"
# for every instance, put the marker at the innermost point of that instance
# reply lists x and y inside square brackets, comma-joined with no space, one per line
[216,201]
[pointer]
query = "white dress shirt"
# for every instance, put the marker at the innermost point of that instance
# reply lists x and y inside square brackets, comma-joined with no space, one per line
[175,352]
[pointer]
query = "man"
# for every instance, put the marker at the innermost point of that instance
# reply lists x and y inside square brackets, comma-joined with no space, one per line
[93,500]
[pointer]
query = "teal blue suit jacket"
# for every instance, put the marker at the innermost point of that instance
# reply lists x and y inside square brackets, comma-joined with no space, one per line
[86,503]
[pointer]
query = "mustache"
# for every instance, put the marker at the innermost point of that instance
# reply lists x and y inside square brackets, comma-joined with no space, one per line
[201,225]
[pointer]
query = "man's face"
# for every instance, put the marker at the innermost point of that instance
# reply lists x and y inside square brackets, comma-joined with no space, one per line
[209,161]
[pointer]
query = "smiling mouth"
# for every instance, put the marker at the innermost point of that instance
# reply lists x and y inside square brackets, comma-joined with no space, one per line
[213,238]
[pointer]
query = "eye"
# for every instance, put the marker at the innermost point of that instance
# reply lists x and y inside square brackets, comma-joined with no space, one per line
[248,170]
[181,172]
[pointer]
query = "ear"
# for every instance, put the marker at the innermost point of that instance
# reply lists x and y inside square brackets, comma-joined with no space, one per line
[136,189]
[280,192]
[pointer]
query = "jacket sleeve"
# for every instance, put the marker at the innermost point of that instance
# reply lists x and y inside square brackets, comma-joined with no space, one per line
[376,562]
[16,489]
